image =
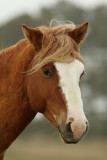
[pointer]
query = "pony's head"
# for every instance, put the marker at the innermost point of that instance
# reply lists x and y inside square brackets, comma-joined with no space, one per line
[54,76]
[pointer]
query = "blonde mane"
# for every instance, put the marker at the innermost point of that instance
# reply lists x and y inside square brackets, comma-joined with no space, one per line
[57,46]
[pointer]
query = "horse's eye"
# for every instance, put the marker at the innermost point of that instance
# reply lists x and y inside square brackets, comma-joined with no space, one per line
[47,73]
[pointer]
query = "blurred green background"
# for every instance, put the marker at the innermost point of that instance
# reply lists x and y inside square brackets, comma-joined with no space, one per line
[40,140]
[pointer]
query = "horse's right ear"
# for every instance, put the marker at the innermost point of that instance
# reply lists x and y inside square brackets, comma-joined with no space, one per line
[35,36]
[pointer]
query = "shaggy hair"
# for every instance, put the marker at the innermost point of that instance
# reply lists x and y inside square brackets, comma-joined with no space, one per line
[57,46]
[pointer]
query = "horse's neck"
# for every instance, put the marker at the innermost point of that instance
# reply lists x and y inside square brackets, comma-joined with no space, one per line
[15,110]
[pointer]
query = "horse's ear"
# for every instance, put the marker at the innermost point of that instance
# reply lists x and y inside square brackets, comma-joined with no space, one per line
[79,33]
[35,36]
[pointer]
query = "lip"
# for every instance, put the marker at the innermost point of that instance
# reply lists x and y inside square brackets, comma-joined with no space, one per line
[68,141]
[68,138]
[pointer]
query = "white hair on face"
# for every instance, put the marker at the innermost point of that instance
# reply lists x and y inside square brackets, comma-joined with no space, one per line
[69,76]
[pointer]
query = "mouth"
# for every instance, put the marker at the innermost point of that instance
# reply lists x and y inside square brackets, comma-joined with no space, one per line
[68,137]
[67,141]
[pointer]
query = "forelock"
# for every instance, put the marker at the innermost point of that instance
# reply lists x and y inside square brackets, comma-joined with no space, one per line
[57,46]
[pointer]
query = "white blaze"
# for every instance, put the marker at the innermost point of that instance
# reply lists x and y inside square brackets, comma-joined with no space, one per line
[69,76]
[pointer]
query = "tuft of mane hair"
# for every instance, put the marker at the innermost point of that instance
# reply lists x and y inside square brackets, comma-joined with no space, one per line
[57,46]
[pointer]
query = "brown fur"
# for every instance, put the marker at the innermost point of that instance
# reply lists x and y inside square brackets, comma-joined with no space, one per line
[15,110]
[21,95]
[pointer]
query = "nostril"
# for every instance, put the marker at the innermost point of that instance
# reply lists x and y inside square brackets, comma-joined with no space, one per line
[68,127]
[87,124]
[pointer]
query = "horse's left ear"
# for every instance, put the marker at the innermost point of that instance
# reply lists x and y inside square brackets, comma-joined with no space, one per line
[35,36]
[79,33]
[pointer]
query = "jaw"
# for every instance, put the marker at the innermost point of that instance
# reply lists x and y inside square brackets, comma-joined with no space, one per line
[48,114]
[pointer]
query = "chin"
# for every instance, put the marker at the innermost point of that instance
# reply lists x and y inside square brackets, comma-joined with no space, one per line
[68,141]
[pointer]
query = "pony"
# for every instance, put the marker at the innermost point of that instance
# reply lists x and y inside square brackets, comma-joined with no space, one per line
[41,73]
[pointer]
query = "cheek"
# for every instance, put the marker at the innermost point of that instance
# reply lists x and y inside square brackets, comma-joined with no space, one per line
[57,103]
[51,86]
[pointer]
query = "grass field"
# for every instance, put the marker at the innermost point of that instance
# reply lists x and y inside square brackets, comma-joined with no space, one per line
[39,148]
